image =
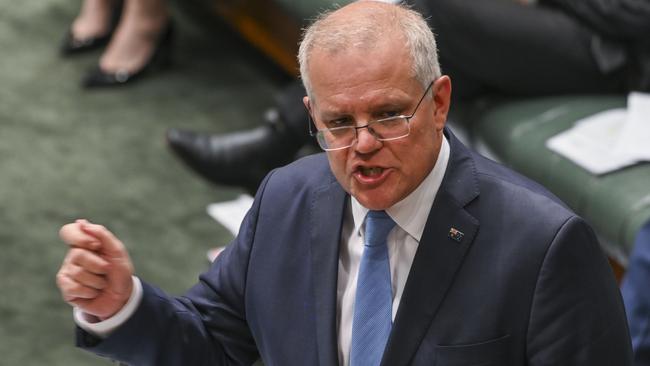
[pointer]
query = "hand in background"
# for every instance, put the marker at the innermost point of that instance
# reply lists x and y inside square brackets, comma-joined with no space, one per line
[96,273]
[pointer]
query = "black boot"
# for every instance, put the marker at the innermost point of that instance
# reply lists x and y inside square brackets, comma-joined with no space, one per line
[239,158]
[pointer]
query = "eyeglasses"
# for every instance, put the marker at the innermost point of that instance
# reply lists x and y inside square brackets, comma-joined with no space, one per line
[385,129]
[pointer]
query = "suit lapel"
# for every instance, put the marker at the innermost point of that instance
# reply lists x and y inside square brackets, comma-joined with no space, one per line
[439,256]
[327,211]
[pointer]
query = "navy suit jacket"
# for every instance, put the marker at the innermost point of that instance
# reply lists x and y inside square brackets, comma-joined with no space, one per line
[527,284]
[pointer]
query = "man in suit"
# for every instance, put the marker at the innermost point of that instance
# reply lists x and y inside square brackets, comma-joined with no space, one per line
[476,265]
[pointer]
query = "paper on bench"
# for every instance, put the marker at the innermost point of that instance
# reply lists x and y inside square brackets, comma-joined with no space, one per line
[608,140]
[231,213]
[635,134]
[591,142]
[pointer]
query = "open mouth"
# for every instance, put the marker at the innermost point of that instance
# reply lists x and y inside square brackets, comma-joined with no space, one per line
[371,175]
[370,171]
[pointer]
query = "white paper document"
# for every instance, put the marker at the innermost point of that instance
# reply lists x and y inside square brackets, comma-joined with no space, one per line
[609,140]
[635,134]
[231,213]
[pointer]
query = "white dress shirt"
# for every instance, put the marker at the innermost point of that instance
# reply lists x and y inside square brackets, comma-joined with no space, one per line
[410,216]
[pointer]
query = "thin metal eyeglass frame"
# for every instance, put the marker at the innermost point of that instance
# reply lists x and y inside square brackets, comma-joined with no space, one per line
[367,125]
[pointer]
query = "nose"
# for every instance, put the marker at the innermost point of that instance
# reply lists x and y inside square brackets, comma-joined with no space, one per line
[366,141]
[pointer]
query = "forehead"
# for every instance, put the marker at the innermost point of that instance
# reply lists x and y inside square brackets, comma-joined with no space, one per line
[362,74]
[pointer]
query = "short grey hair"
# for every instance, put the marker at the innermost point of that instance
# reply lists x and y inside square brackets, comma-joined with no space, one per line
[332,34]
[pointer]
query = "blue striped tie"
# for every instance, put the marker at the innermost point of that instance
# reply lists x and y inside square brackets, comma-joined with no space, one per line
[373,302]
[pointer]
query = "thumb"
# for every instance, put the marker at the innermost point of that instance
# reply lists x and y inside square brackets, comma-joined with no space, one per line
[111,246]
[74,236]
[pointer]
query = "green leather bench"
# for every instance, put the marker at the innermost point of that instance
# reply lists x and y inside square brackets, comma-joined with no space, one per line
[515,132]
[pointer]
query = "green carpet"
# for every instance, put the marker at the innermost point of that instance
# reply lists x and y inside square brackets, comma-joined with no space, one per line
[67,153]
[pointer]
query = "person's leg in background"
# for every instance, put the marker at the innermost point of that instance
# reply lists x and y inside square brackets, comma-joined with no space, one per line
[243,158]
[505,47]
[93,26]
[139,42]
[636,296]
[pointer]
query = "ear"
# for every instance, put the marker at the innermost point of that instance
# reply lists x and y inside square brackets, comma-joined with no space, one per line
[442,98]
[305,101]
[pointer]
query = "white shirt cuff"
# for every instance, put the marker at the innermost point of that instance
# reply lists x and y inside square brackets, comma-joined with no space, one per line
[103,329]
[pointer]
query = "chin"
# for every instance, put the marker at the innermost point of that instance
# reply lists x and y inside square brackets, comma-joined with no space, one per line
[374,200]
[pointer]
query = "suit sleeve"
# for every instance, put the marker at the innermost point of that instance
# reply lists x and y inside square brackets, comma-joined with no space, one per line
[577,316]
[206,326]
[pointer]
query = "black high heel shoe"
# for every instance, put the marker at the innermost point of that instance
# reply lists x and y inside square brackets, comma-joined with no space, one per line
[160,59]
[72,46]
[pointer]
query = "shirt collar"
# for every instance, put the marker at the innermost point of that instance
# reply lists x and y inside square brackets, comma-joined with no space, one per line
[411,213]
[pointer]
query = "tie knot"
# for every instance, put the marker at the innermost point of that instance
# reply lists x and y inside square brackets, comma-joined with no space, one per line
[378,225]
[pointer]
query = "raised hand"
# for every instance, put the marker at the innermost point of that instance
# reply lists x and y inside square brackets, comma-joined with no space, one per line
[96,273]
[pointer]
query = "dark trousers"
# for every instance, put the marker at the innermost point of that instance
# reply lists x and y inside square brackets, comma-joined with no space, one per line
[501,46]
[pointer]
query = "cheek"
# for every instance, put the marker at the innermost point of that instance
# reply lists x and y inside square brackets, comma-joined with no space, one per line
[425,143]
[417,160]
[337,161]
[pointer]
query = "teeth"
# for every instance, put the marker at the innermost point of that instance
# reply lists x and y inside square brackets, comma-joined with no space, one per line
[371,171]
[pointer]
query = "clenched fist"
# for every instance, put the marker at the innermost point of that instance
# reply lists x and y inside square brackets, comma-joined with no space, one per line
[96,273]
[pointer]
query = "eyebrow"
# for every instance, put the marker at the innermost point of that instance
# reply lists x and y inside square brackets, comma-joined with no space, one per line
[392,103]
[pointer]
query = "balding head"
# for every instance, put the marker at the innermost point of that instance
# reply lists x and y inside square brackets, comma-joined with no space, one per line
[361,25]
